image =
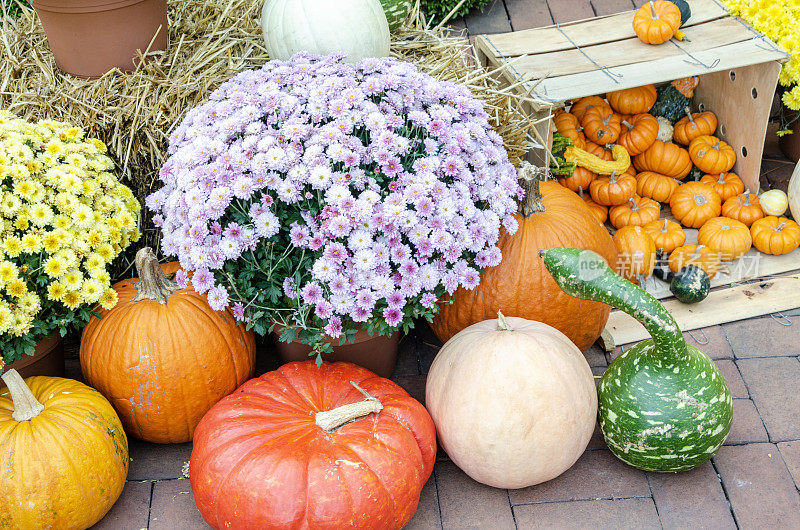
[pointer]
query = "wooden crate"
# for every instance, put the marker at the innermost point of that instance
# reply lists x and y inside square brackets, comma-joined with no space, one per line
[738,67]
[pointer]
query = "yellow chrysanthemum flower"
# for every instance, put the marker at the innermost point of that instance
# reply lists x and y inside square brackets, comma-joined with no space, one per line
[31,243]
[91,291]
[55,267]
[30,303]
[8,271]
[16,288]
[72,280]
[71,299]
[109,299]
[6,317]
[56,291]
[51,242]
[12,246]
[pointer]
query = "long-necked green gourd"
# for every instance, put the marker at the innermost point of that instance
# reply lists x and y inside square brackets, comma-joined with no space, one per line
[663,404]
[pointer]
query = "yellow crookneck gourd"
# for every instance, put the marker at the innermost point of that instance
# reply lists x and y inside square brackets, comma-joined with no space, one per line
[566,156]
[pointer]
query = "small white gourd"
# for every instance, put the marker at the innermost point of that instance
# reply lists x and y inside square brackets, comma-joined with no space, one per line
[774,202]
[355,27]
[665,129]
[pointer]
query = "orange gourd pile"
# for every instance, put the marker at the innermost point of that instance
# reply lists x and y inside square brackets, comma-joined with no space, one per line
[714,201]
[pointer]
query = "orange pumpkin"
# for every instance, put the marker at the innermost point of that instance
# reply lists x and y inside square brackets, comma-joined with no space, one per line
[637,211]
[568,125]
[599,211]
[521,286]
[656,22]
[694,203]
[699,255]
[613,190]
[731,238]
[632,100]
[666,158]
[727,185]
[775,235]
[312,447]
[580,106]
[656,186]
[745,208]
[694,125]
[599,151]
[638,133]
[637,253]
[601,125]
[711,154]
[667,235]
[581,178]
[162,356]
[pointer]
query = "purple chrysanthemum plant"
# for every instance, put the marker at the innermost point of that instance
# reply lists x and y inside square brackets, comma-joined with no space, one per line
[317,197]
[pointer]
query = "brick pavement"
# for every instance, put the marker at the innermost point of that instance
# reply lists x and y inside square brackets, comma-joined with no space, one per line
[752,482]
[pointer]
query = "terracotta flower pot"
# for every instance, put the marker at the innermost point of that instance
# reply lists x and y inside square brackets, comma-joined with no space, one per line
[377,353]
[790,143]
[47,359]
[90,37]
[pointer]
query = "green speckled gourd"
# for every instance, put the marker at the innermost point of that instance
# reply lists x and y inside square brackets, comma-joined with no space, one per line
[663,404]
[396,12]
[690,285]
[670,103]
[686,11]
[559,167]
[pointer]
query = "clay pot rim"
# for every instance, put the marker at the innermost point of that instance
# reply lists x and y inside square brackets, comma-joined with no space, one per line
[82,6]
[44,347]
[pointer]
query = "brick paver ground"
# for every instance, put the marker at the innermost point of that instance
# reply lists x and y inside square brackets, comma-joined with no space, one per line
[751,483]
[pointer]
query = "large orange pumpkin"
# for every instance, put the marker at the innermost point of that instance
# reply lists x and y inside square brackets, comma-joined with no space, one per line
[632,100]
[313,447]
[666,158]
[711,154]
[638,133]
[63,454]
[520,286]
[162,356]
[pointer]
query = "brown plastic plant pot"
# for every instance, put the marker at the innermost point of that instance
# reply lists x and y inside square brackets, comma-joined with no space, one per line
[90,37]
[790,143]
[47,359]
[377,354]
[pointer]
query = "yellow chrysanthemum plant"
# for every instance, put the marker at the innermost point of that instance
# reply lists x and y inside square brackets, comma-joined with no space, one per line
[780,21]
[64,217]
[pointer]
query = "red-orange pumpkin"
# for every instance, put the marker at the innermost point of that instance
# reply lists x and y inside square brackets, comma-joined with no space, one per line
[162,356]
[521,286]
[308,447]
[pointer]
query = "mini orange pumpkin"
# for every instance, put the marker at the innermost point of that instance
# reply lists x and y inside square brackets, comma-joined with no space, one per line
[632,100]
[775,235]
[656,22]
[613,190]
[699,255]
[695,203]
[656,186]
[601,125]
[636,253]
[637,211]
[711,154]
[666,158]
[599,211]
[580,178]
[569,125]
[694,125]
[728,236]
[667,235]
[745,208]
[599,151]
[580,106]
[727,185]
[638,133]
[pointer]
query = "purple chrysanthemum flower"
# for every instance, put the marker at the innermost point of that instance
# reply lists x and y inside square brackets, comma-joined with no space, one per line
[392,316]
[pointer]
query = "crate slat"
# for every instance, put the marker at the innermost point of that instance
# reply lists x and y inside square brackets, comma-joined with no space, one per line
[716,34]
[744,53]
[588,32]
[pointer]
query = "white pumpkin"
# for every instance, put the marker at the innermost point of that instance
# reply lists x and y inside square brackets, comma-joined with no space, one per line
[774,202]
[514,401]
[356,27]
[794,193]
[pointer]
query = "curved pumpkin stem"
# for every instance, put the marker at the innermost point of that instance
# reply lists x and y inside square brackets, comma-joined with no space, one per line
[330,420]
[653,10]
[688,112]
[529,180]
[664,228]
[746,198]
[153,283]
[502,323]
[26,406]
[780,227]
[721,178]
[612,179]
[627,124]
[634,204]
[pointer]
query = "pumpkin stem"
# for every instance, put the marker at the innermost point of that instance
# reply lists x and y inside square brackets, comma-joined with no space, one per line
[330,420]
[746,198]
[715,146]
[664,228]
[780,226]
[26,406]
[529,180]
[502,323]
[153,283]
[627,124]
[721,178]
[634,204]
[612,179]
[653,10]
[688,112]
[696,253]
